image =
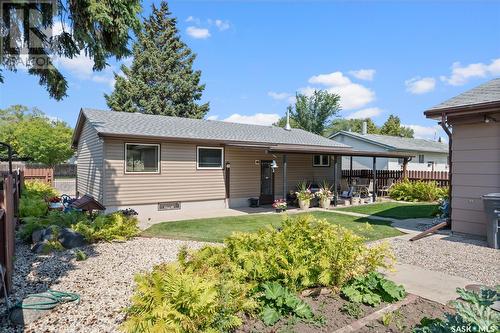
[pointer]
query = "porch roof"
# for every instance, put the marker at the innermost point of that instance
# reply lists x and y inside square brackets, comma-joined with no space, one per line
[306,149]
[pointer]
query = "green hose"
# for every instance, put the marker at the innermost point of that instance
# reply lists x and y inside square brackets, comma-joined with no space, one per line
[53,297]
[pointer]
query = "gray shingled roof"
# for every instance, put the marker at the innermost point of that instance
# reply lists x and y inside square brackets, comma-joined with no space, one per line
[485,93]
[398,143]
[137,124]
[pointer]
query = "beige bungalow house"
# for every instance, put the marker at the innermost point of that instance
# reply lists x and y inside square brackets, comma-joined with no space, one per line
[472,121]
[154,164]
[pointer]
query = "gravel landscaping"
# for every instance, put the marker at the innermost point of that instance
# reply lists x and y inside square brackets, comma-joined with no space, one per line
[104,282]
[454,255]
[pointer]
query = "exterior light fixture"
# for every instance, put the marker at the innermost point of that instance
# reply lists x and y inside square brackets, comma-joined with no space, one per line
[228,165]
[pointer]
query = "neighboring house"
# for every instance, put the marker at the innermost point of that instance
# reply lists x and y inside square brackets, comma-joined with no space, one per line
[158,163]
[429,155]
[474,121]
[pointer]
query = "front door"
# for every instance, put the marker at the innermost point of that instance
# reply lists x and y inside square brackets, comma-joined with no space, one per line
[266,183]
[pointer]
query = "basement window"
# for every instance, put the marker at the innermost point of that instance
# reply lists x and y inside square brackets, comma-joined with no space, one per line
[142,158]
[321,160]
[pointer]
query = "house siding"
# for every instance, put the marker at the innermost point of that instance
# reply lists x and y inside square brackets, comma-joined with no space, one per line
[178,180]
[476,171]
[90,163]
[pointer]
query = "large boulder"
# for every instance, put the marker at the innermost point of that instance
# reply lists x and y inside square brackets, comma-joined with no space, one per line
[51,233]
[37,236]
[71,239]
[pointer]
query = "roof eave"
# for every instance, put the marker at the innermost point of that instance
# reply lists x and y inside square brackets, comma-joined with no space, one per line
[358,136]
[78,129]
[463,109]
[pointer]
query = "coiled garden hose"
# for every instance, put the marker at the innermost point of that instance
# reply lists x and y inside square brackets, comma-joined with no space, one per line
[53,298]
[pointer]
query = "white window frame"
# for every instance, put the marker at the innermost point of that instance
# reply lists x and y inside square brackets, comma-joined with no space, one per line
[423,158]
[141,172]
[321,161]
[198,167]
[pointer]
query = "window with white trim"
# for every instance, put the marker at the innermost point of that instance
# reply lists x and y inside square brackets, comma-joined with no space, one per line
[321,160]
[421,158]
[210,157]
[142,158]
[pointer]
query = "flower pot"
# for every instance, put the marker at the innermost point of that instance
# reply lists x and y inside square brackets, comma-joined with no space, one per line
[325,203]
[304,204]
[355,201]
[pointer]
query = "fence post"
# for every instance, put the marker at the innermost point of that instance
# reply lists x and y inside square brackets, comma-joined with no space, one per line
[8,229]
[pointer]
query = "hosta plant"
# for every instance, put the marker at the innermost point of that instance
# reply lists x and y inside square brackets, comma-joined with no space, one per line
[372,289]
[277,301]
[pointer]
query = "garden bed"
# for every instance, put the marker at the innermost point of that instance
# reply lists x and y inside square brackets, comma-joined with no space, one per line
[328,309]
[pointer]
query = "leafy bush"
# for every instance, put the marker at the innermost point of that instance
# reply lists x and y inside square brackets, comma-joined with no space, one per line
[278,301]
[207,290]
[57,218]
[108,228]
[473,313]
[417,191]
[172,299]
[372,289]
[33,199]
[35,188]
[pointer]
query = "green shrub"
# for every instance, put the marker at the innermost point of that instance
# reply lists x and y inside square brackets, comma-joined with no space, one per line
[32,207]
[34,188]
[207,290]
[353,309]
[57,218]
[473,314]
[33,199]
[80,255]
[111,227]
[372,289]
[172,299]
[417,191]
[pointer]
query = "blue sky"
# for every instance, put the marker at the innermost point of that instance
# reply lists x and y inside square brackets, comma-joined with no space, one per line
[381,57]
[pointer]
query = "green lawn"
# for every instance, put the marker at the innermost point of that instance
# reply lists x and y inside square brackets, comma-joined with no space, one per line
[396,210]
[216,229]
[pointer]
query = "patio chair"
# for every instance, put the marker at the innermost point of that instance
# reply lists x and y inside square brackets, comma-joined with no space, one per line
[384,190]
[347,194]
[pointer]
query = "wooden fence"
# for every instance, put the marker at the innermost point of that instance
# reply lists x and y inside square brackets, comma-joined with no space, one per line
[11,186]
[45,175]
[440,177]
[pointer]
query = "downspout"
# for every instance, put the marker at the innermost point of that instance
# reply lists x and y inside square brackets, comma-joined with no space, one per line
[444,124]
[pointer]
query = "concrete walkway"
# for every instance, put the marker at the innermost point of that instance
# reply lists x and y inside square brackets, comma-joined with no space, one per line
[432,285]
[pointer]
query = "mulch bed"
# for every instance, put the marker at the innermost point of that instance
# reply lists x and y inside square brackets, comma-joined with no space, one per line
[331,318]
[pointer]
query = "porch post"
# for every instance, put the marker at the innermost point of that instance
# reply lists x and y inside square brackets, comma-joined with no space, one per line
[375,187]
[284,177]
[335,180]
[350,172]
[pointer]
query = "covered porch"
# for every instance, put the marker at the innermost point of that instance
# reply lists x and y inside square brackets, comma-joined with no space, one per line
[282,167]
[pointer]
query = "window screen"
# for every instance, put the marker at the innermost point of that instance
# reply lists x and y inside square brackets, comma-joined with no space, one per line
[142,158]
[210,158]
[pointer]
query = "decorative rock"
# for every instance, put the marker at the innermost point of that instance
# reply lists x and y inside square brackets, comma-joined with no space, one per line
[70,238]
[50,233]
[21,317]
[37,235]
[38,247]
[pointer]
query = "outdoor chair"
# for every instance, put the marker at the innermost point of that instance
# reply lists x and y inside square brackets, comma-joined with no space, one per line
[347,194]
[384,190]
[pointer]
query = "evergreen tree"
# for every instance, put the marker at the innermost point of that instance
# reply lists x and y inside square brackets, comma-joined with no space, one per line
[161,79]
[392,126]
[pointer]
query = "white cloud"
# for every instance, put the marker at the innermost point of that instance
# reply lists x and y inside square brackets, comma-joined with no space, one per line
[222,25]
[278,96]
[352,95]
[81,67]
[214,117]
[256,119]
[417,85]
[198,33]
[192,19]
[462,74]
[426,132]
[363,74]
[365,113]
[332,79]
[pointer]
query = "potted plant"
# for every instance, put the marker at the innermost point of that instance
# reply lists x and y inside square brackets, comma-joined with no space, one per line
[279,205]
[324,195]
[304,195]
